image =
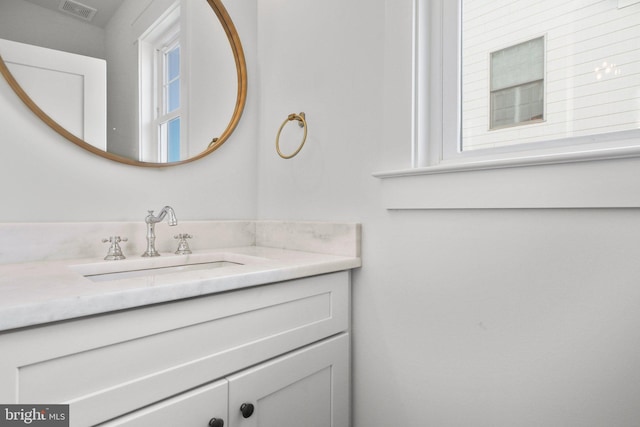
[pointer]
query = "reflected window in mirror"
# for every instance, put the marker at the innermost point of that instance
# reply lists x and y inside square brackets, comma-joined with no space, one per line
[161,127]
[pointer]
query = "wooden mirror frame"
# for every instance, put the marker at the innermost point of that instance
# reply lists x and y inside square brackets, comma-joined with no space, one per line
[241,71]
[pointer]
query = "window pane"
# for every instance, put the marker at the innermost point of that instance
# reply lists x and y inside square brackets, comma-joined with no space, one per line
[519,104]
[173,63]
[172,101]
[173,96]
[173,140]
[585,81]
[518,64]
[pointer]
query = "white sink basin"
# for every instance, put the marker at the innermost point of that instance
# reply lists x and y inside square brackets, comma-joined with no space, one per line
[104,277]
[166,264]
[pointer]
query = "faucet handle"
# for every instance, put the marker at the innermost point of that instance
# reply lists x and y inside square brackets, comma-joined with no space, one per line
[115,252]
[116,239]
[183,246]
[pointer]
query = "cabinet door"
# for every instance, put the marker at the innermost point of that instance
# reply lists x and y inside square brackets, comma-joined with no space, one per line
[309,387]
[192,409]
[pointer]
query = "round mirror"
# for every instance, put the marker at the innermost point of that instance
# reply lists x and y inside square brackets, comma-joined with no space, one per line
[147,83]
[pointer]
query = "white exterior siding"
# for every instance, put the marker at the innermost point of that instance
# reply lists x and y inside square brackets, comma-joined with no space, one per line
[582,38]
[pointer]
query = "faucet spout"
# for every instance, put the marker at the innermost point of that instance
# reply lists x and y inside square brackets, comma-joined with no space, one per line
[167,210]
[151,221]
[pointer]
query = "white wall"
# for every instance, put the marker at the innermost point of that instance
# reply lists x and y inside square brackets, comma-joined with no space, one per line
[462,317]
[47,178]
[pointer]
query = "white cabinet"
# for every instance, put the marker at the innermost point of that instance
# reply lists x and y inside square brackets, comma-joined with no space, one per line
[282,347]
[308,387]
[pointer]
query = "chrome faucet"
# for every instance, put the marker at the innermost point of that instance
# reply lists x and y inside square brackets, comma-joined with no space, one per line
[151,221]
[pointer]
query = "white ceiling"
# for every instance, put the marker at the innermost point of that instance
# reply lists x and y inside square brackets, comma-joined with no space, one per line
[106,8]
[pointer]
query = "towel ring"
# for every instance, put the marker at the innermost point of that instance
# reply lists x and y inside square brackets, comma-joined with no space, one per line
[302,122]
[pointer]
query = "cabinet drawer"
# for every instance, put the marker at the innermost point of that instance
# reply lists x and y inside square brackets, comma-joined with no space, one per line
[192,409]
[112,364]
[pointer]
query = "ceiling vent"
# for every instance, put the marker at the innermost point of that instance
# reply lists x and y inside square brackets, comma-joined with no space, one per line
[78,10]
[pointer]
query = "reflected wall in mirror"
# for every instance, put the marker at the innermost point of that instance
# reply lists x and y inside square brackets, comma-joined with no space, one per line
[142,82]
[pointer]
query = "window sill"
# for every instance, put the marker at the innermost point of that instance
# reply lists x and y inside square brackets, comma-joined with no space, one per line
[591,179]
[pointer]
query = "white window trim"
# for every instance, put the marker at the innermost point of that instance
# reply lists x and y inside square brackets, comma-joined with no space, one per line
[569,180]
[626,147]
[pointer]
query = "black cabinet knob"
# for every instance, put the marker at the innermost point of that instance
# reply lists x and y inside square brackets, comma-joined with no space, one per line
[246,409]
[216,422]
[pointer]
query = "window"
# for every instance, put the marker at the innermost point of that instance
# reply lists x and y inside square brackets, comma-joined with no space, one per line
[517,84]
[161,84]
[533,78]
[584,152]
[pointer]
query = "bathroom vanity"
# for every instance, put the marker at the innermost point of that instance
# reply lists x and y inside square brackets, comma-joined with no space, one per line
[263,339]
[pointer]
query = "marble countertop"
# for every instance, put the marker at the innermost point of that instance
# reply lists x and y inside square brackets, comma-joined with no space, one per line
[34,293]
